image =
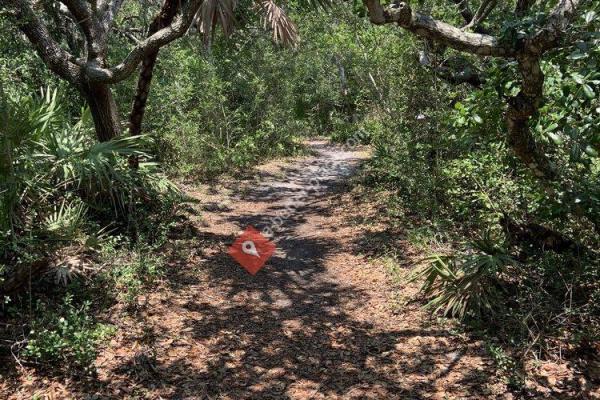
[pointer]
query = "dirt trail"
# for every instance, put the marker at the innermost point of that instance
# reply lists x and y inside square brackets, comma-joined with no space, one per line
[319,321]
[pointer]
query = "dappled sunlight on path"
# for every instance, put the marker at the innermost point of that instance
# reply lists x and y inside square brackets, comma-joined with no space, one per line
[317,322]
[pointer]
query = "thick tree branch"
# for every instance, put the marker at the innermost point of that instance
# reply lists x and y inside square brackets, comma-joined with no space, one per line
[151,44]
[58,60]
[557,23]
[527,53]
[441,32]
[163,18]
[90,27]
[520,109]
[107,11]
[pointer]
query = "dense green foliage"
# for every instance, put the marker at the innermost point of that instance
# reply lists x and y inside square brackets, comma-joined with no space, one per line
[67,336]
[443,156]
[439,154]
[56,176]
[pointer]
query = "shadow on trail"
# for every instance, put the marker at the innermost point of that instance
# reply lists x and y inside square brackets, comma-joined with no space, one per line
[288,331]
[285,333]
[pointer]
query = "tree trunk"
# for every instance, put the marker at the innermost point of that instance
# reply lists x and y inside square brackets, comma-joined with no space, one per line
[162,19]
[141,96]
[520,109]
[104,110]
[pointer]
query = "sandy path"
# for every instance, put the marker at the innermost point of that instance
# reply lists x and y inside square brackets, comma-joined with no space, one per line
[319,321]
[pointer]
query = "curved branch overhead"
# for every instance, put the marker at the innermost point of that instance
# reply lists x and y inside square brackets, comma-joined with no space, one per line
[474,43]
[527,52]
[439,31]
[60,61]
[162,37]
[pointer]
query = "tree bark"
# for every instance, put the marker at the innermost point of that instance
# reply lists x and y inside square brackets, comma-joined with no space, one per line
[103,109]
[429,28]
[520,109]
[92,75]
[162,19]
[527,52]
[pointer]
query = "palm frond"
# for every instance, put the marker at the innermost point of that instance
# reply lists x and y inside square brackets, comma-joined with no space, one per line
[275,18]
[65,220]
[215,13]
[460,284]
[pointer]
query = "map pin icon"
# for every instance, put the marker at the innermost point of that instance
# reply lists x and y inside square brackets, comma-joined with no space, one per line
[248,247]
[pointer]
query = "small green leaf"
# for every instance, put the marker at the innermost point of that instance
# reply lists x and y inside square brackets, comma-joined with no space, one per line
[577,55]
[578,78]
[589,92]
[590,16]
[590,151]
[477,119]
[555,138]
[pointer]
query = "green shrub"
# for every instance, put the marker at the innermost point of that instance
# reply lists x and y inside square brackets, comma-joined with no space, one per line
[65,336]
[59,186]
[466,285]
[132,270]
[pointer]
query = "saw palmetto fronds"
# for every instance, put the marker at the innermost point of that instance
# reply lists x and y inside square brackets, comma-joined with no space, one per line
[220,13]
[215,13]
[275,18]
[463,284]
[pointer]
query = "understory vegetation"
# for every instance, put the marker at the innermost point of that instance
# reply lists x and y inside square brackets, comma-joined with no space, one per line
[512,255]
[510,252]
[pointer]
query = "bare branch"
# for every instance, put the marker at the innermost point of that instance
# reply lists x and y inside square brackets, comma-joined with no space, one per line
[164,36]
[58,60]
[129,35]
[441,32]
[484,10]
[464,10]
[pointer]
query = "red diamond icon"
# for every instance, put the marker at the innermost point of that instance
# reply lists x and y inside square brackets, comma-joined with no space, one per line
[251,250]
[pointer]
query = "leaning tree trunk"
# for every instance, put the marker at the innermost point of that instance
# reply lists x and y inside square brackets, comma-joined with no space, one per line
[104,110]
[520,110]
[162,19]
